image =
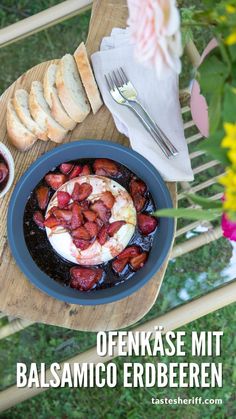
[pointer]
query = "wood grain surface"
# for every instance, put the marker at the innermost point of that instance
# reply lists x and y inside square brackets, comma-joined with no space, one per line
[18,297]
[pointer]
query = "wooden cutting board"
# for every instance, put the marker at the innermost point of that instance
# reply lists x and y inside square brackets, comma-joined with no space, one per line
[18,297]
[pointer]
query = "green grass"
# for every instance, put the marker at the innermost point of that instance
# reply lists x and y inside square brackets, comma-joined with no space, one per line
[187,277]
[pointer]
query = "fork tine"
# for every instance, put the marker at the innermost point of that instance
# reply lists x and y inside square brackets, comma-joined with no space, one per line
[111,81]
[115,78]
[122,81]
[107,81]
[124,75]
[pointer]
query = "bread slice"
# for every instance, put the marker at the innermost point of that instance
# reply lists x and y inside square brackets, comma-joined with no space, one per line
[70,89]
[21,105]
[18,134]
[41,113]
[87,77]
[50,93]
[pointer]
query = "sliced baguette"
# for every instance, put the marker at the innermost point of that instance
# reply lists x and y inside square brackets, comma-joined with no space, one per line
[87,77]
[21,105]
[18,134]
[41,113]
[70,89]
[50,93]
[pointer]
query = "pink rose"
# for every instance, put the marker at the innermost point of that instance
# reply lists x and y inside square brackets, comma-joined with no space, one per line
[228,227]
[155,31]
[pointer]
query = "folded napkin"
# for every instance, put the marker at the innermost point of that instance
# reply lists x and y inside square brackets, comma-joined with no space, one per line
[159,97]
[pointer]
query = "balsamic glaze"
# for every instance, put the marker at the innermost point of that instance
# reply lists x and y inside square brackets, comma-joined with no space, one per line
[57,267]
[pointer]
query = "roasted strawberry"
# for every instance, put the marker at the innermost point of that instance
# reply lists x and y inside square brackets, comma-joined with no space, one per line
[55,180]
[84,279]
[138,262]
[39,219]
[92,228]
[137,186]
[139,202]
[81,191]
[66,168]
[102,211]
[81,244]
[3,172]
[81,233]
[129,252]
[42,195]
[146,223]
[114,227]
[90,215]
[85,170]
[108,199]
[63,199]
[51,222]
[103,235]
[99,223]
[75,172]
[119,265]
[105,167]
[63,215]
[77,216]
[84,204]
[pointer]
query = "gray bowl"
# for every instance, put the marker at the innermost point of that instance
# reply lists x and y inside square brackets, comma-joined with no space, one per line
[89,149]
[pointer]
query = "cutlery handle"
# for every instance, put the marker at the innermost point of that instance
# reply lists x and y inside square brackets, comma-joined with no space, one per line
[151,131]
[170,145]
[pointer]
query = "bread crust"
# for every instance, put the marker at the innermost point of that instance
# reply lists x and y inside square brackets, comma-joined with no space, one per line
[87,77]
[30,125]
[18,134]
[71,106]
[57,110]
[55,131]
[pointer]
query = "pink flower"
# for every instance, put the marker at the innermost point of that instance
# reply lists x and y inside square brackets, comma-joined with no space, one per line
[228,227]
[155,31]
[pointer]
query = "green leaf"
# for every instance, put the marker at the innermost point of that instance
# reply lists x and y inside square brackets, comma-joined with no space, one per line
[213,72]
[205,203]
[189,214]
[214,110]
[232,51]
[212,146]
[229,104]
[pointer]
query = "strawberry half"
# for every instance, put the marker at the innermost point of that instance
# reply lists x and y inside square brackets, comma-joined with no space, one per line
[108,199]
[146,223]
[66,168]
[42,195]
[63,199]
[85,170]
[63,215]
[129,252]
[90,215]
[77,216]
[81,191]
[119,265]
[84,279]
[103,235]
[138,261]
[105,167]
[39,219]
[114,227]
[75,172]
[81,244]
[102,211]
[137,186]
[55,180]
[92,228]
[81,233]
[139,201]
[51,222]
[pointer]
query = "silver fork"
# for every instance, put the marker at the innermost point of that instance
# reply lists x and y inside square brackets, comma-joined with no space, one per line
[128,91]
[116,95]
